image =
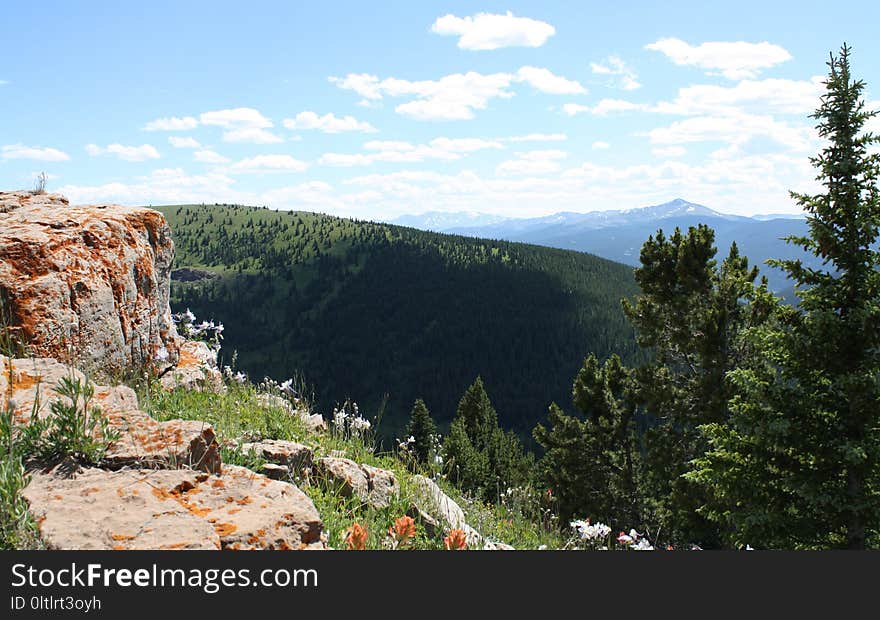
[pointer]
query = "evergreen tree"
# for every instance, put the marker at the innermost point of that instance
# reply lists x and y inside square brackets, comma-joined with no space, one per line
[484,459]
[592,464]
[690,315]
[798,465]
[422,429]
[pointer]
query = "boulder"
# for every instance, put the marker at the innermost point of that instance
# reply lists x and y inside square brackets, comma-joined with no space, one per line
[196,369]
[296,457]
[171,509]
[371,485]
[432,500]
[87,284]
[29,385]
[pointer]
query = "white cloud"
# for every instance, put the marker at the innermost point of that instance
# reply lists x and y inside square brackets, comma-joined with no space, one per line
[464,145]
[614,66]
[172,123]
[734,60]
[20,151]
[124,152]
[162,186]
[404,152]
[187,142]
[603,108]
[778,95]
[4,82]
[734,129]
[539,137]
[669,151]
[488,31]
[208,156]
[456,96]
[252,135]
[236,118]
[532,162]
[547,82]
[269,163]
[364,84]
[328,123]
[599,145]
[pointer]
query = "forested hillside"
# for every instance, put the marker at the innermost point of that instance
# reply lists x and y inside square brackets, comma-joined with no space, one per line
[364,310]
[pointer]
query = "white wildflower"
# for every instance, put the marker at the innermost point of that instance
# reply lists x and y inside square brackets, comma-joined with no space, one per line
[360,425]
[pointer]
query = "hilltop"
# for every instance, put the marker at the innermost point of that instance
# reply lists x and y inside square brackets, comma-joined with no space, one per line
[618,234]
[384,314]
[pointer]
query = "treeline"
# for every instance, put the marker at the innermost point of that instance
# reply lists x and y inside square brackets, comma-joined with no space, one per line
[383,315]
[755,422]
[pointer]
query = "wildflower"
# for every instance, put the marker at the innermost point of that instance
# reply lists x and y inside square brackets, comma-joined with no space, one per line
[624,539]
[642,545]
[356,537]
[287,387]
[456,540]
[189,316]
[239,377]
[403,530]
[359,425]
[588,531]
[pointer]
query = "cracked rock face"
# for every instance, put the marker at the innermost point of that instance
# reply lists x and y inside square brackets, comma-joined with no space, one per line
[90,279]
[171,509]
[29,384]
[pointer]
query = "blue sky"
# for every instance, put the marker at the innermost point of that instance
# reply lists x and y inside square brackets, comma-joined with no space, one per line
[378,109]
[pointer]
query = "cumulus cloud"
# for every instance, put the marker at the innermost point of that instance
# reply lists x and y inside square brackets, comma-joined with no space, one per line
[235,118]
[547,82]
[162,186]
[623,76]
[172,123]
[603,108]
[777,95]
[600,145]
[735,129]
[187,142]
[124,152]
[207,156]
[404,152]
[269,163]
[669,152]
[734,60]
[328,123]
[489,31]
[539,137]
[241,125]
[38,153]
[456,96]
[252,135]
[532,162]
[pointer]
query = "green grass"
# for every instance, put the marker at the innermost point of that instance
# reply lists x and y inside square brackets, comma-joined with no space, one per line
[238,415]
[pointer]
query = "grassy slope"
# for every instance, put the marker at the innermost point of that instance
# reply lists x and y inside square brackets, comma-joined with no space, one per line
[237,415]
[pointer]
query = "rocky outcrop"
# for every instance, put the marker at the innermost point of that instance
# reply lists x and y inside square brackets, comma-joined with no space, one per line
[294,457]
[92,280]
[29,384]
[171,509]
[433,501]
[196,369]
[371,485]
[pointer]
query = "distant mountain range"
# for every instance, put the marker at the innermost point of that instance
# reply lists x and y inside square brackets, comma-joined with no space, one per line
[618,235]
